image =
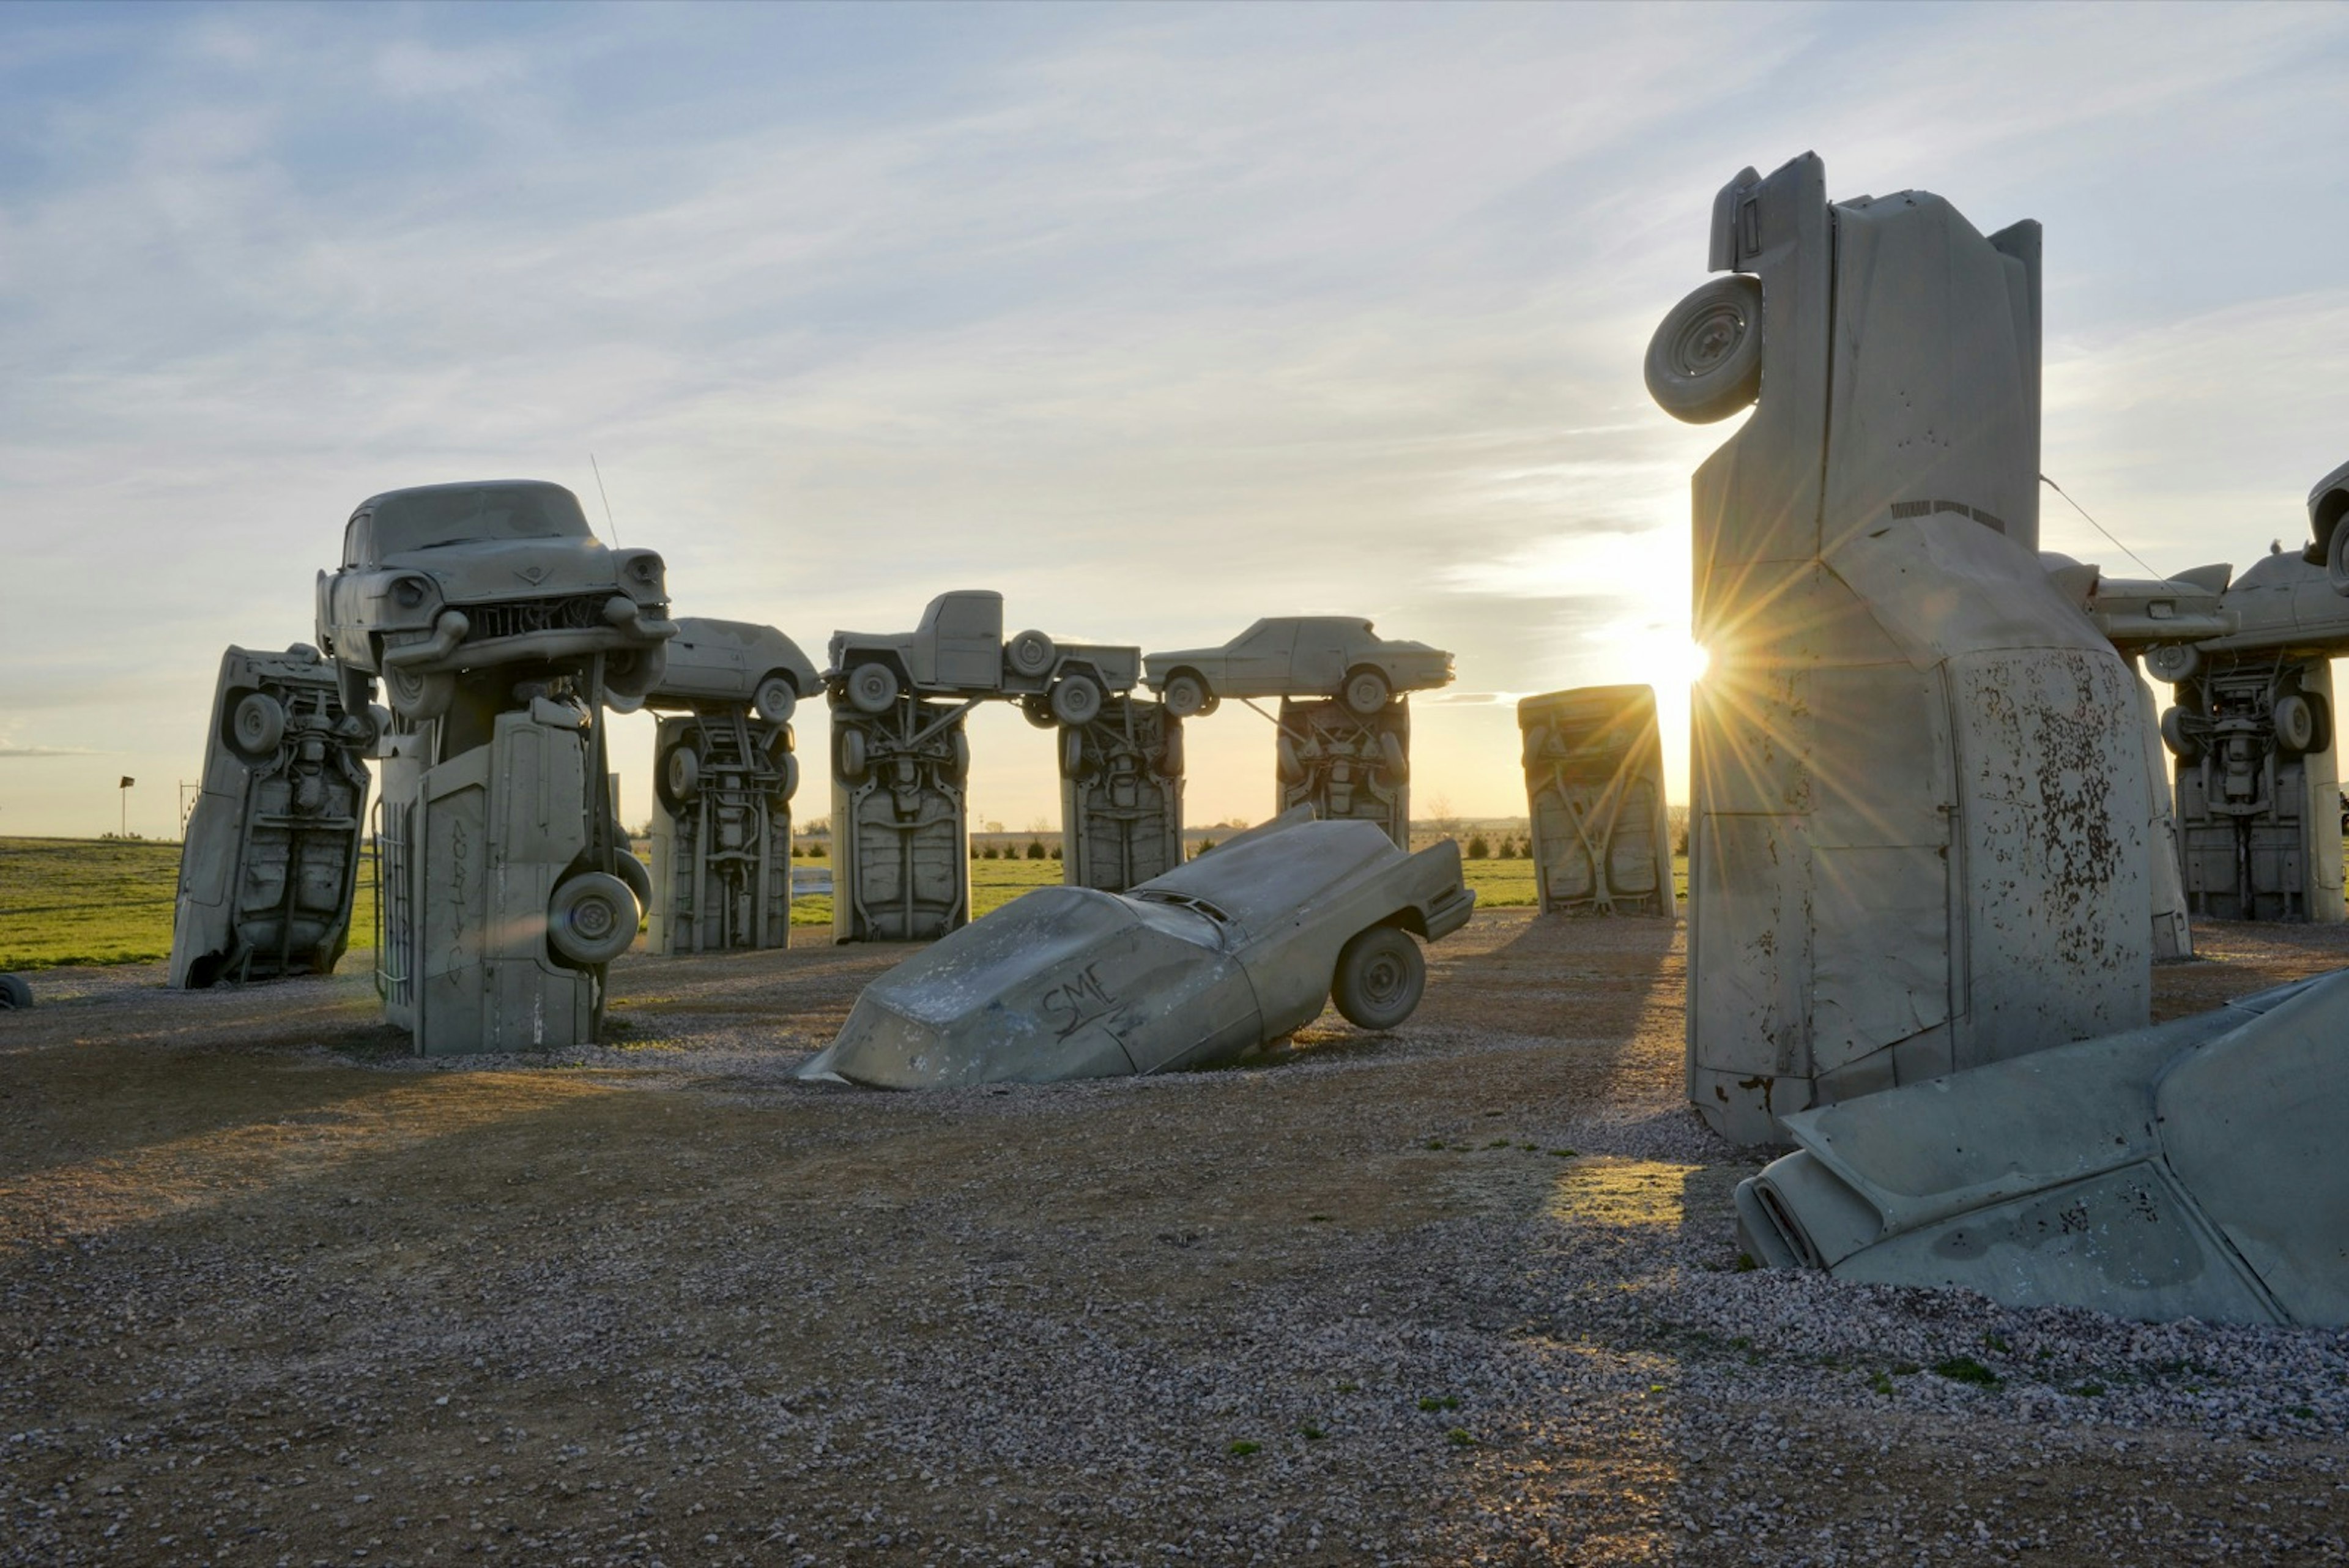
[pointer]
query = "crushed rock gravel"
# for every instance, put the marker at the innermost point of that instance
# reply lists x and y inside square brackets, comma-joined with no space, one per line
[274,1292]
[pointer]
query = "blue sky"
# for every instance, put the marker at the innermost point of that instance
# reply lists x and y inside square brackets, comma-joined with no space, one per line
[1156,319]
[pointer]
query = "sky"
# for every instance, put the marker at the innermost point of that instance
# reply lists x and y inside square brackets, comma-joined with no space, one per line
[1155,319]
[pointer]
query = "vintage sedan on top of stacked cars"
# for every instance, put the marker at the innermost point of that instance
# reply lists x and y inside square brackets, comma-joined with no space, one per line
[448,577]
[1193,969]
[731,664]
[1297,656]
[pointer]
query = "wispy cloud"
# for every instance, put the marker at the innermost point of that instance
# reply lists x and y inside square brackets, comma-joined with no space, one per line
[1156,319]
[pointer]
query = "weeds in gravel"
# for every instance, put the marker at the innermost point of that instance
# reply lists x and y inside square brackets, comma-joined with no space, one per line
[1349,1388]
[1311,1433]
[1318,1219]
[1459,1438]
[1242,1449]
[1880,1382]
[1562,1153]
[2091,1388]
[1439,1402]
[1745,1263]
[1966,1369]
[1498,1143]
[1997,1342]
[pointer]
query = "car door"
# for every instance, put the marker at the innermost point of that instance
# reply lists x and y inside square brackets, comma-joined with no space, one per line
[966,642]
[1260,659]
[1322,646]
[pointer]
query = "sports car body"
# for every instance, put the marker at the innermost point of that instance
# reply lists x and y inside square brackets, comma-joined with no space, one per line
[1188,970]
[1297,656]
[450,577]
[2191,1169]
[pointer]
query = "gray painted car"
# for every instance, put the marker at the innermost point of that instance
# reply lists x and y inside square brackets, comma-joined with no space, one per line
[448,577]
[1297,656]
[2188,1170]
[1192,969]
[734,664]
[271,857]
[959,650]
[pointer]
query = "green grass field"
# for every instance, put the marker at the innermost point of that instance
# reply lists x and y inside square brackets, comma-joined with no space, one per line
[103,901]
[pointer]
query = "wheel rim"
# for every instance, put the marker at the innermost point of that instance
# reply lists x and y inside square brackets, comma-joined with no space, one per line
[594,918]
[1385,980]
[1706,340]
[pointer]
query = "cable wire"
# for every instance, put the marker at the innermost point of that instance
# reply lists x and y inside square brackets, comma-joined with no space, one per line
[2099,528]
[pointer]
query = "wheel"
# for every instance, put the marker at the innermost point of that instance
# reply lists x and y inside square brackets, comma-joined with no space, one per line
[14,994]
[258,724]
[1367,693]
[960,765]
[378,718]
[1077,700]
[1038,711]
[1286,762]
[848,756]
[872,688]
[1072,754]
[419,698]
[1185,694]
[2173,661]
[2336,557]
[2182,744]
[776,698]
[631,673]
[2295,724]
[791,785]
[681,776]
[1704,363]
[1168,764]
[1381,978]
[1030,654]
[1398,761]
[592,918]
[636,874]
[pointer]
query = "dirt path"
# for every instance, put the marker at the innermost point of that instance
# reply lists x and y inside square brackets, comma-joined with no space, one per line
[272,1291]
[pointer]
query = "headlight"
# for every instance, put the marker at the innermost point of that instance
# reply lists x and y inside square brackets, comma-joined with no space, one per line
[408,592]
[645,570]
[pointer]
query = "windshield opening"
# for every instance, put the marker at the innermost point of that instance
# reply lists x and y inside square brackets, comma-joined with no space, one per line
[460,513]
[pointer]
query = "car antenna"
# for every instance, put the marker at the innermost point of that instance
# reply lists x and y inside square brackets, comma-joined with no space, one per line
[608,524]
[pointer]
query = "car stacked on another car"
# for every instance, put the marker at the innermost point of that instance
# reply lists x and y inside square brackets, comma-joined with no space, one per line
[444,578]
[1297,656]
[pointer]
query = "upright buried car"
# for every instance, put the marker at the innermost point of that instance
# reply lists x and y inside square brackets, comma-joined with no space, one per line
[1187,970]
[450,577]
[1297,656]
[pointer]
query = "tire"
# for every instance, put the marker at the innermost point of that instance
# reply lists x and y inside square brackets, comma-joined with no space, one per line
[2173,661]
[1038,711]
[14,994]
[776,697]
[1185,695]
[848,758]
[636,874]
[2182,744]
[1397,760]
[592,918]
[960,766]
[2336,557]
[2295,724]
[1072,754]
[791,785]
[1368,692]
[1381,978]
[1077,700]
[1286,762]
[378,718]
[1030,654]
[258,724]
[419,699]
[1704,363]
[632,673]
[872,688]
[1168,764]
[681,776]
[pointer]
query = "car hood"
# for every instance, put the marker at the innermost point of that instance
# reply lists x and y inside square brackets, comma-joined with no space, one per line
[501,569]
[1063,982]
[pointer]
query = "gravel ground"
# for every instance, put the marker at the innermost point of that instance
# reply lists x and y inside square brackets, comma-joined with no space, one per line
[274,1293]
